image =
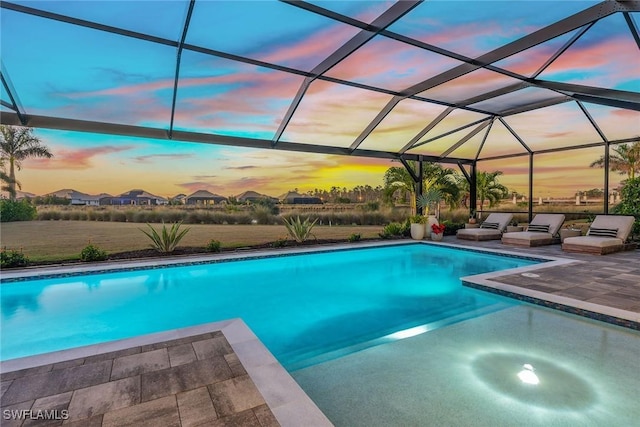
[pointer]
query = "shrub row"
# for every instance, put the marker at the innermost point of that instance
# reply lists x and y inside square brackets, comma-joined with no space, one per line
[259,216]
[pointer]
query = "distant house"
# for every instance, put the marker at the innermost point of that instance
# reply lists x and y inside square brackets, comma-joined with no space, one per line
[252,197]
[178,199]
[204,197]
[134,197]
[78,198]
[293,198]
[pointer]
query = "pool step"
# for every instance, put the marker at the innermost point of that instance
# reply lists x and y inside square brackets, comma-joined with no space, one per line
[312,358]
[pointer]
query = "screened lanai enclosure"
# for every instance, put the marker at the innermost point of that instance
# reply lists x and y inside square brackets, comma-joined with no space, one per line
[454,82]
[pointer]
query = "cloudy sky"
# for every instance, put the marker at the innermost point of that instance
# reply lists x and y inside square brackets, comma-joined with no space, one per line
[92,75]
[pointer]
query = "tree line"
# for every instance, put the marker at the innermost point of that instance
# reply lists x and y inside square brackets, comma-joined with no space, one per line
[18,144]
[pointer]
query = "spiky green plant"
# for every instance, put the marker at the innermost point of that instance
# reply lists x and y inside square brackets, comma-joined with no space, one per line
[299,230]
[167,240]
[430,200]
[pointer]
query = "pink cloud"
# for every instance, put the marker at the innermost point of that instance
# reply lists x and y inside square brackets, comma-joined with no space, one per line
[312,50]
[76,159]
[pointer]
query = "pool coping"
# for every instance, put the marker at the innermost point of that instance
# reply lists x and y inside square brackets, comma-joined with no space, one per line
[286,399]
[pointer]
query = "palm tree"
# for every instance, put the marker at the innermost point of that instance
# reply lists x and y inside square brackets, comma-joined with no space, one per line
[488,188]
[435,177]
[7,181]
[626,160]
[16,145]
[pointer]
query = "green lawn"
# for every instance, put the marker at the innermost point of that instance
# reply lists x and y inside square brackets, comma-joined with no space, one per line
[63,240]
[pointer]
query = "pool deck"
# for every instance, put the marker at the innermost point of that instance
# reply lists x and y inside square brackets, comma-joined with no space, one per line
[220,374]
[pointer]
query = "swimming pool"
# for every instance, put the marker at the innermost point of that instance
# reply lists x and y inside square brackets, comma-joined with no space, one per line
[305,308]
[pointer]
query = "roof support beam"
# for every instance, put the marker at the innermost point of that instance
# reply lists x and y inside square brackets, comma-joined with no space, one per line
[382,114]
[542,35]
[407,166]
[515,135]
[7,105]
[426,130]
[549,32]
[451,132]
[45,122]
[470,135]
[534,106]
[484,139]
[494,93]
[632,27]
[593,122]
[13,97]
[598,95]
[185,28]
[390,16]
[560,51]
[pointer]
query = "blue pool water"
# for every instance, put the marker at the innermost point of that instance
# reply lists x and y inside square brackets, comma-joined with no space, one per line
[301,306]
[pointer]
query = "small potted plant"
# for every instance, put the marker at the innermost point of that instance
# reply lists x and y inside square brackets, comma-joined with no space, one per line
[417,226]
[437,231]
[472,217]
[430,201]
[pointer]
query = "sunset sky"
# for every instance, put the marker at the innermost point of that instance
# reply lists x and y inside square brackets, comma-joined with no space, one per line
[68,71]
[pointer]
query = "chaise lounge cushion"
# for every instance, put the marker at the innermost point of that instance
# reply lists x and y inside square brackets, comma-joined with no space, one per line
[483,233]
[601,244]
[541,231]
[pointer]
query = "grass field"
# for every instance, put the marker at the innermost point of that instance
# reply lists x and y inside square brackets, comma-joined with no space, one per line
[63,240]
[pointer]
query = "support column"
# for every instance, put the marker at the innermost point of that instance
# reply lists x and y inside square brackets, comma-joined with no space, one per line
[418,185]
[530,186]
[473,193]
[606,178]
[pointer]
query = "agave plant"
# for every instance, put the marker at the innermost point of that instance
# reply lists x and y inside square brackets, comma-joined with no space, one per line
[167,240]
[299,230]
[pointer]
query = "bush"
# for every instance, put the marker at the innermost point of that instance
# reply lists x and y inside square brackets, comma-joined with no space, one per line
[117,216]
[263,214]
[92,253]
[167,240]
[213,246]
[630,204]
[372,206]
[418,219]
[11,259]
[16,210]
[452,227]
[355,237]
[299,230]
[394,229]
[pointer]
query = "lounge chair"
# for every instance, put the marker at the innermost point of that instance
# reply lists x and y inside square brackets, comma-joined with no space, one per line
[543,230]
[607,234]
[491,229]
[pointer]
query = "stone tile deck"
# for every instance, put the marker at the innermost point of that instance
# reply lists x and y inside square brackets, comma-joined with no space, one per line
[193,381]
[607,283]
